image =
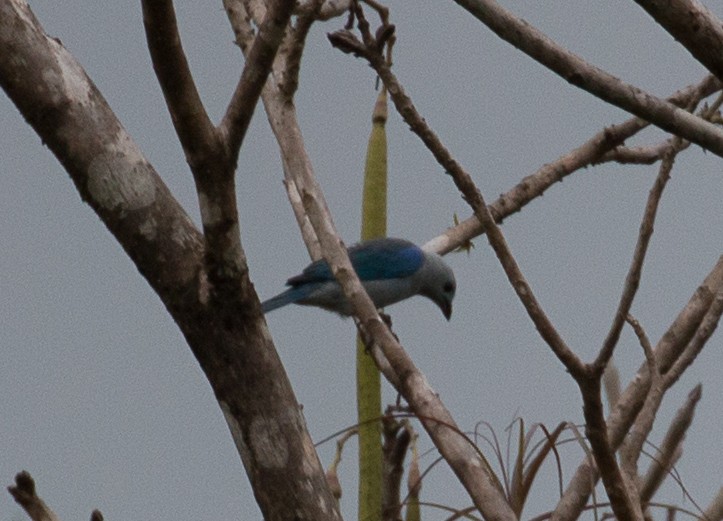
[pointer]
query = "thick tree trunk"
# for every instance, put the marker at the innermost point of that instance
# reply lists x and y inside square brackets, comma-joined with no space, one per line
[228,337]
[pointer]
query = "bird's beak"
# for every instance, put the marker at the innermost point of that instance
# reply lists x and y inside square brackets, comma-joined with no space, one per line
[446,309]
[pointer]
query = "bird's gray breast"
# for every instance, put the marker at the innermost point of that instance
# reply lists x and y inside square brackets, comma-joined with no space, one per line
[383,292]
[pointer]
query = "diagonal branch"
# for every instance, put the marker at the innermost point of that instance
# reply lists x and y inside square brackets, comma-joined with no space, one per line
[461,456]
[192,124]
[227,336]
[667,351]
[595,81]
[632,280]
[259,60]
[694,26]
[702,334]
[372,52]
[590,152]
[671,447]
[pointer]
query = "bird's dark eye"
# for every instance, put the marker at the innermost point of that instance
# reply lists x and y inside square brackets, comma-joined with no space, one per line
[448,287]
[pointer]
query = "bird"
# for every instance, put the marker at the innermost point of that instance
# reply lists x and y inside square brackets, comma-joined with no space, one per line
[390,270]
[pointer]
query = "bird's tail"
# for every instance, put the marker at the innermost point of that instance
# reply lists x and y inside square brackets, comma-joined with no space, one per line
[289,296]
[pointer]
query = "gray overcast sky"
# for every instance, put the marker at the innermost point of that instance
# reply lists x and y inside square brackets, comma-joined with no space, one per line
[102,400]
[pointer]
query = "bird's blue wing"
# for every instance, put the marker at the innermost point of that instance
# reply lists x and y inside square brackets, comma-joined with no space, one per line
[386,259]
[372,260]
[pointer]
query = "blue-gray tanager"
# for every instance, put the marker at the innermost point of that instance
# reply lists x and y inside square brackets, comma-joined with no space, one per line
[390,270]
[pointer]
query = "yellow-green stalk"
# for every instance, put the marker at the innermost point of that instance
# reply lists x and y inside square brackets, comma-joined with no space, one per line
[369,399]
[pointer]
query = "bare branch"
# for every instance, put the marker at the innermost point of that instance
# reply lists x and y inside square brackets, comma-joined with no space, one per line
[281,115]
[694,26]
[588,153]
[668,349]
[24,494]
[211,161]
[192,124]
[703,333]
[651,154]
[295,49]
[633,444]
[714,512]
[259,60]
[632,280]
[671,447]
[594,80]
[618,486]
[643,155]
[373,54]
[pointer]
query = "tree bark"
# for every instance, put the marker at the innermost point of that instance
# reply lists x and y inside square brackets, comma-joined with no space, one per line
[231,342]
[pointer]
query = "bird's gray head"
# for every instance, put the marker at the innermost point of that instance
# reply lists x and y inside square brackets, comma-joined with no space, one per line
[438,283]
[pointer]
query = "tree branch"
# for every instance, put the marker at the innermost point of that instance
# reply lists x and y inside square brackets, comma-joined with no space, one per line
[24,494]
[259,60]
[228,337]
[461,456]
[371,50]
[632,280]
[633,445]
[668,349]
[192,124]
[618,486]
[671,446]
[694,26]
[595,81]
[705,330]
[588,153]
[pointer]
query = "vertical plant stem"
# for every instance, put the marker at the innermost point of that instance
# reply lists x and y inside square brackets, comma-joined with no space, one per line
[369,399]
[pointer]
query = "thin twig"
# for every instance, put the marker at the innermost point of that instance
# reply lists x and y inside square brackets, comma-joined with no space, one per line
[642,155]
[632,280]
[536,184]
[633,445]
